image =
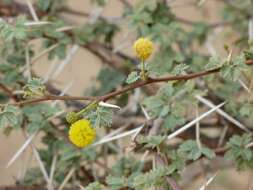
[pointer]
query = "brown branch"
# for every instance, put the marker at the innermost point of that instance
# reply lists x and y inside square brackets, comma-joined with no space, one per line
[123,90]
[249,62]
[54,97]
[211,25]
[126,3]
[171,181]
[156,80]
[7,91]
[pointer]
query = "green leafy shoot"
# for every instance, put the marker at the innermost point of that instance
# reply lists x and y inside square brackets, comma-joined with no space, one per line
[191,150]
[132,77]
[34,88]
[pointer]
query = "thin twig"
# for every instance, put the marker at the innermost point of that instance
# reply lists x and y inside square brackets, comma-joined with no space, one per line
[123,90]
[28,63]
[222,136]
[52,170]
[6,90]
[44,52]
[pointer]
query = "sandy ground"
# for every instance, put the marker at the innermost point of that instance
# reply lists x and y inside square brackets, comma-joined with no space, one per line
[82,69]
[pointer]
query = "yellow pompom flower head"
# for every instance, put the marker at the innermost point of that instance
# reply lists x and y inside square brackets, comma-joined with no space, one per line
[143,48]
[82,133]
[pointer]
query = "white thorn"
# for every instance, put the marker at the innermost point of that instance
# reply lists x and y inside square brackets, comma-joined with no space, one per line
[66,61]
[145,113]
[104,104]
[222,113]
[66,179]
[127,133]
[38,23]
[21,150]
[32,11]
[188,125]
[203,187]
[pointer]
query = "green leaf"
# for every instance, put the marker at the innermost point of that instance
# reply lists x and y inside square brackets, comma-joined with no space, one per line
[153,178]
[132,77]
[126,166]
[43,4]
[172,121]
[116,183]
[152,141]
[38,114]
[232,70]
[177,161]
[239,152]
[246,110]
[17,31]
[154,105]
[101,117]
[180,69]
[99,2]
[8,117]
[191,149]
[214,62]
[93,186]
[208,152]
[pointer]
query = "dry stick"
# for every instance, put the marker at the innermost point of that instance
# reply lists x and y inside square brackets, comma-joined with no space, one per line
[123,90]
[28,62]
[172,182]
[54,97]
[222,136]
[66,179]
[191,23]
[52,170]
[44,52]
[32,10]
[64,91]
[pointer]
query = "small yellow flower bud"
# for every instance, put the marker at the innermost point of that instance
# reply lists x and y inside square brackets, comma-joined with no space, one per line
[71,117]
[143,48]
[82,133]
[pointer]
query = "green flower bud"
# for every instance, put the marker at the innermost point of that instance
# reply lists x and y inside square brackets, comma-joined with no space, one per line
[72,117]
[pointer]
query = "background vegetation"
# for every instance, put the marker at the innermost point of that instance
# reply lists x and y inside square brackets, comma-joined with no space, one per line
[194,107]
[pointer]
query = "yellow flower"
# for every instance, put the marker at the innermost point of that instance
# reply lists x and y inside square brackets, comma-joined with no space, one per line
[143,48]
[81,133]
